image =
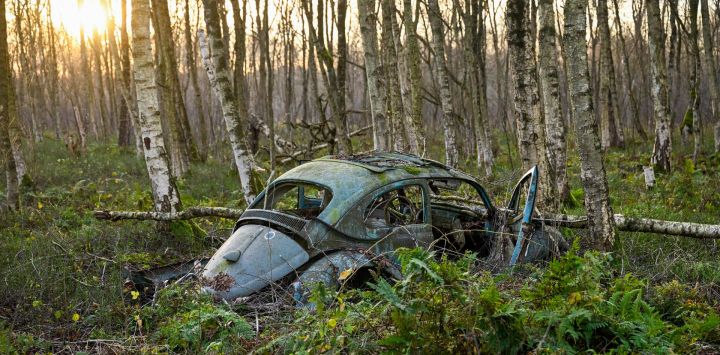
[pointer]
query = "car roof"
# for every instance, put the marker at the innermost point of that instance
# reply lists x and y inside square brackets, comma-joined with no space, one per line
[351,177]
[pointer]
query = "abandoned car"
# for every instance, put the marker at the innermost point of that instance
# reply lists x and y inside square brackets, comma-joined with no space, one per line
[334,217]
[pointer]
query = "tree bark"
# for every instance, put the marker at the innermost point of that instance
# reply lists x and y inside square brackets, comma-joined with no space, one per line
[12,193]
[531,128]
[330,76]
[390,69]
[694,107]
[165,193]
[192,71]
[412,59]
[182,143]
[550,89]
[475,57]
[190,213]
[634,105]
[592,169]
[449,117]
[663,137]
[609,122]
[710,69]
[216,65]
[124,120]
[374,73]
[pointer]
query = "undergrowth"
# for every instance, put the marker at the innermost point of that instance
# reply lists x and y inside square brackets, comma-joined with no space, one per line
[61,274]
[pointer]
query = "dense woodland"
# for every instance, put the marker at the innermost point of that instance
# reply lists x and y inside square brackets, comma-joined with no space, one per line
[159,105]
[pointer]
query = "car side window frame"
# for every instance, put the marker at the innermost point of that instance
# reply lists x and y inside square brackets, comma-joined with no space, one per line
[371,197]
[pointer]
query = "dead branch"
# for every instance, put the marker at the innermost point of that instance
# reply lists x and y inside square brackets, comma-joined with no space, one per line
[320,146]
[645,225]
[190,213]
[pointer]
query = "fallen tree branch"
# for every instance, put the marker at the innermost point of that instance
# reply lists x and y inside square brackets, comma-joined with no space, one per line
[645,225]
[190,213]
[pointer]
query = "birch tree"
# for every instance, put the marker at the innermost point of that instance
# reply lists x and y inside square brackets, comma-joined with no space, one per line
[710,69]
[449,116]
[693,111]
[165,194]
[601,224]
[392,80]
[531,128]
[663,137]
[550,89]
[609,123]
[412,60]
[12,200]
[218,70]
[374,73]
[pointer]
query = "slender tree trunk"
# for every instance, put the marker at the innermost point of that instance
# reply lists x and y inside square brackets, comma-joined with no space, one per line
[531,128]
[474,43]
[412,59]
[100,85]
[449,117]
[634,105]
[550,89]
[336,94]
[165,193]
[171,91]
[601,224]
[710,69]
[192,71]
[53,75]
[374,73]
[608,94]
[12,194]
[412,128]
[663,138]
[694,108]
[124,121]
[89,89]
[390,65]
[218,71]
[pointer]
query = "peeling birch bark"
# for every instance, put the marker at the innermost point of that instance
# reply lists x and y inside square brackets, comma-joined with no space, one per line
[216,65]
[550,92]
[663,137]
[165,194]
[592,169]
[449,117]
[190,213]
[373,72]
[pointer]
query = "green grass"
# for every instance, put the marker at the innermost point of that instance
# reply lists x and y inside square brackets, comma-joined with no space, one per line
[61,271]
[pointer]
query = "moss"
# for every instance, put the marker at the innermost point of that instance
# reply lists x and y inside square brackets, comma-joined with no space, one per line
[413,170]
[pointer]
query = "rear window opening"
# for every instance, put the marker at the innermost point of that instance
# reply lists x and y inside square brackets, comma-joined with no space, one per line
[299,199]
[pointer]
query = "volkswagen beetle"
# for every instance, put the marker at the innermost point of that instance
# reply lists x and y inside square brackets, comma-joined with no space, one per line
[337,216]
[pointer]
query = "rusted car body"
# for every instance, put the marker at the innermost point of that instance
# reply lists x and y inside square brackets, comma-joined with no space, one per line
[334,217]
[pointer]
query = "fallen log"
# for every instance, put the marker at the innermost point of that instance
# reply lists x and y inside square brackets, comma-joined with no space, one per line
[623,223]
[190,213]
[645,225]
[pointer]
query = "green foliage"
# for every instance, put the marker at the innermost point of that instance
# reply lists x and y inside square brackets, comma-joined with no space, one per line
[189,321]
[441,306]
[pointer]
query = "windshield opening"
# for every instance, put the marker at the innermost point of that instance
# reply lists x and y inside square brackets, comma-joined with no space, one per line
[300,199]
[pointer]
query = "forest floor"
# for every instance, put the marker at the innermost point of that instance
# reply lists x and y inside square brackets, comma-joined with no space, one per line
[61,274]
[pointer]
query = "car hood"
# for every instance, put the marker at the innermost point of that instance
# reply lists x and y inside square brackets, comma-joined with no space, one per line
[252,258]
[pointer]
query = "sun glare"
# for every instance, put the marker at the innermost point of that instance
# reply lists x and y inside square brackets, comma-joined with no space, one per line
[89,16]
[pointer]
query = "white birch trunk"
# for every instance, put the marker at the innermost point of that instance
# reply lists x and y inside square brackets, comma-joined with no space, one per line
[373,72]
[550,92]
[592,169]
[216,65]
[663,137]
[438,46]
[165,194]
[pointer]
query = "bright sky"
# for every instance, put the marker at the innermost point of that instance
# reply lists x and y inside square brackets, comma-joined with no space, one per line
[90,15]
